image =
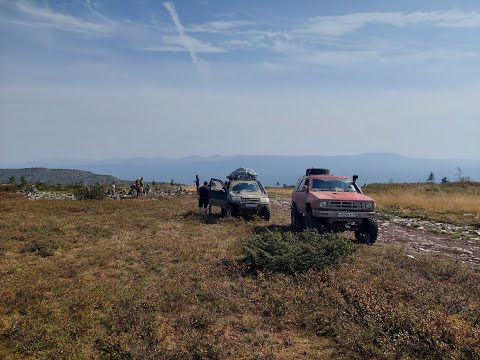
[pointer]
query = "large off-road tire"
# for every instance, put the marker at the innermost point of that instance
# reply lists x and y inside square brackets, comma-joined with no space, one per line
[296,219]
[265,213]
[369,232]
[227,212]
[308,220]
[233,210]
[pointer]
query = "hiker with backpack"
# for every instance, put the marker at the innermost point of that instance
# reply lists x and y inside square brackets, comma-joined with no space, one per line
[203,199]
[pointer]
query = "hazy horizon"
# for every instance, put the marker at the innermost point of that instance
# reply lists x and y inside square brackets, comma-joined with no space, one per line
[34,162]
[272,169]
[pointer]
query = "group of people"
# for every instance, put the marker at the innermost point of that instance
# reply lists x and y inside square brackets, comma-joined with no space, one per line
[137,186]
[204,195]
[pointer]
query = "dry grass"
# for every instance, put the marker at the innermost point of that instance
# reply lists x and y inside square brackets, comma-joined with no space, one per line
[452,203]
[279,191]
[147,279]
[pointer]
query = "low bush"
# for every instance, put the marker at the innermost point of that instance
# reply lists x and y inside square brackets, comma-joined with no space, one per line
[291,253]
[41,247]
[95,192]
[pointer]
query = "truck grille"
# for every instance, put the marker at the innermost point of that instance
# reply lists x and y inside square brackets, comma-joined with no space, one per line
[346,205]
[251,200]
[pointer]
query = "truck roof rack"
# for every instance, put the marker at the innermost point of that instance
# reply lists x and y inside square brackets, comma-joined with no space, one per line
[243,173]
[317,171]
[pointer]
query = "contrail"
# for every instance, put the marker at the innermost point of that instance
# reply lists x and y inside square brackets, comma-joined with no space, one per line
[184,39]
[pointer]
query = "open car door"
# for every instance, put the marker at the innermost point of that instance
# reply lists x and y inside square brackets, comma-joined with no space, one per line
[218,196]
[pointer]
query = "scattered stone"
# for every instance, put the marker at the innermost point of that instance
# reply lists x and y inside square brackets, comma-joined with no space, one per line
[37,195]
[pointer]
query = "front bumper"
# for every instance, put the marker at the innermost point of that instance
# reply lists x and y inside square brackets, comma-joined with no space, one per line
[252,207]
[342,215]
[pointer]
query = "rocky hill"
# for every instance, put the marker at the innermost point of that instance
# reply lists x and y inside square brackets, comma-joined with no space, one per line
[56,176]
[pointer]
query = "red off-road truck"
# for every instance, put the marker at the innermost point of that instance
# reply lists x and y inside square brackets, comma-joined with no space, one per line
[333,203]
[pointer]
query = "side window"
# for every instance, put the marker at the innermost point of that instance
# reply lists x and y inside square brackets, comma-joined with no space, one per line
[297,185]
[300,186]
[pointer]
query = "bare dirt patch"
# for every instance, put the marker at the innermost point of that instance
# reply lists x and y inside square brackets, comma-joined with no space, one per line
[465,250]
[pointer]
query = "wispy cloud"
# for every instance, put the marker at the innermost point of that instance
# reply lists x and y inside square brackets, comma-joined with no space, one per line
[36,16]
[219,26]
[343,24]
[176,44]
[318,40]
[184,39]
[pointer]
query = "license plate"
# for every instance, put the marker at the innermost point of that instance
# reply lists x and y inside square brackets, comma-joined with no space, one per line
[346,215]
[251,205]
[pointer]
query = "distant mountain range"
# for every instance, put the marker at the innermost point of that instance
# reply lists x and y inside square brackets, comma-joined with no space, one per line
[274,169]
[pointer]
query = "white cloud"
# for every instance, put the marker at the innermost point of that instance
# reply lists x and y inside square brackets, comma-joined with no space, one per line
[219,26]
[44,17]
[404,57]
[343,24]
[320,40]
[428,56]
[175,43]
[189,43]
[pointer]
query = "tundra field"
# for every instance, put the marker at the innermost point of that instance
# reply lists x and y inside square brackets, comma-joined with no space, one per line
[147,278]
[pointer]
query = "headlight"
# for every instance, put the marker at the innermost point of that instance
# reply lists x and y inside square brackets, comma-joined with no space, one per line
[369,205]
[235,199]
[265,200]
[321,204]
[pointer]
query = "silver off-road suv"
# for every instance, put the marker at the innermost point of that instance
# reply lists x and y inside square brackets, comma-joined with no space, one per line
[245,195]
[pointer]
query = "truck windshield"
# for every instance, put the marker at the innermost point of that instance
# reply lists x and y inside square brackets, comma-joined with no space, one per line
[246,186]
[336,185]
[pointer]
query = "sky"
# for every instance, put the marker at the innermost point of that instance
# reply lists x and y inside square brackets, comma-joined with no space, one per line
[99,79]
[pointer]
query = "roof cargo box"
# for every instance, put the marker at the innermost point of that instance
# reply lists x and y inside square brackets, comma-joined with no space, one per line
[315,171]
[243,173]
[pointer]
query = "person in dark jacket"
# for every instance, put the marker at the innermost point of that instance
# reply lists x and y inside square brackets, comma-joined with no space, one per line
[226,186]
[203,199]
[197,182]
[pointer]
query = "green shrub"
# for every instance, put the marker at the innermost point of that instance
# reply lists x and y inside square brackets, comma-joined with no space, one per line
[291,253]
[90,192]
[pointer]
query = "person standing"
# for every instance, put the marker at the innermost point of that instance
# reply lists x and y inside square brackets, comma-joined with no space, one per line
[112,189]
[226,185]
[141,186]
[197,182]
[203,199]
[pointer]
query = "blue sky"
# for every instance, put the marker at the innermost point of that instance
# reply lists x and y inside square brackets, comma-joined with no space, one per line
[100,79]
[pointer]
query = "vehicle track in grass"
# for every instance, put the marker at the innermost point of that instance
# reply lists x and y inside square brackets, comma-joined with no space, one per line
[422,240]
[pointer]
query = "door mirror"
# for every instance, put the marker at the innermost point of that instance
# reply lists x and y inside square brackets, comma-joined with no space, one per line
[305,188]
